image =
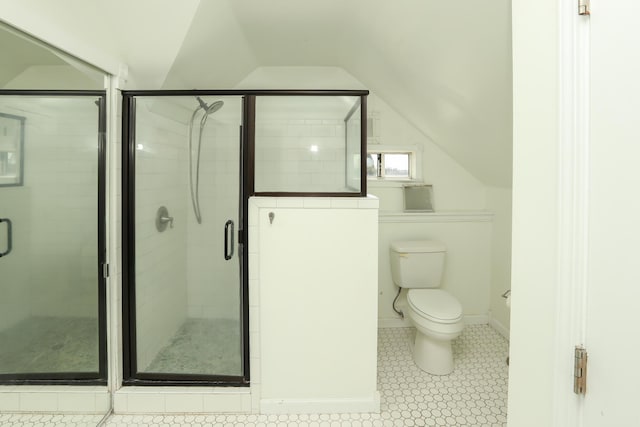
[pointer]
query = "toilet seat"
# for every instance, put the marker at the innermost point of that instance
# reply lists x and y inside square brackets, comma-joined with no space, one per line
[435,304]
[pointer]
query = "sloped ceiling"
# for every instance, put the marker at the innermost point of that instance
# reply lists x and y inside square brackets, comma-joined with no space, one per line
[145,35]
[23,54]
[444,65]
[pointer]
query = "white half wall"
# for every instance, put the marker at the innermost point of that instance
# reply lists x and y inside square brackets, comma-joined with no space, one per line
[316,268]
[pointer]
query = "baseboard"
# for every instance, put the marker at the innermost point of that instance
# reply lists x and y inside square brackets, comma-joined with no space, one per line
[395,322]
[469,319]
[54,399]
[319,406]
[172,400]
[499,327]
[476,319]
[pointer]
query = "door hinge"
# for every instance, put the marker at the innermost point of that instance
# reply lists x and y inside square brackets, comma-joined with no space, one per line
[580,370]
[584,8]
[105,270]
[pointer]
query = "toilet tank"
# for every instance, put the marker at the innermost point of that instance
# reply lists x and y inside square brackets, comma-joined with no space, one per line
[417,263]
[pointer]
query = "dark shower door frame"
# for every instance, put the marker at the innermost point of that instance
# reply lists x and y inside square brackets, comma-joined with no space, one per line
[131,375]
[79,378]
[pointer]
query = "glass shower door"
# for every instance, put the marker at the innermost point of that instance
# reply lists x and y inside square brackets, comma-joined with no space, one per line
[52,303]
[184,284]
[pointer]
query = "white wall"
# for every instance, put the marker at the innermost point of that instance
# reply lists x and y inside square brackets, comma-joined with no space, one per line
[467,231]
[499,202]
[454,188]
[467,272]
[534,275]
[315,267]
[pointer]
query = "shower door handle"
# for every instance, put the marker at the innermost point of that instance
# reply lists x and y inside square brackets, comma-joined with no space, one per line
[9,236]
[228,232]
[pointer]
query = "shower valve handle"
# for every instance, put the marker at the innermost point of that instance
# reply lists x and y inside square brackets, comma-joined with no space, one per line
[165,219]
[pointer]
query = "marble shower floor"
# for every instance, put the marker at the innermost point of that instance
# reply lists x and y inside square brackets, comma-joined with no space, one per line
[202,346]
[50,344]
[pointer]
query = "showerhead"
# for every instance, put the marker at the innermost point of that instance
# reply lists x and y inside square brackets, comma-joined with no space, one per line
[214,107]
[209,109]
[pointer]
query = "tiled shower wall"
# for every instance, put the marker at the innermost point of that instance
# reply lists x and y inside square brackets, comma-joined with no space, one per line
[61,168]
[55,224]
[286,159]
[14,306]
[213,282]
[161,180]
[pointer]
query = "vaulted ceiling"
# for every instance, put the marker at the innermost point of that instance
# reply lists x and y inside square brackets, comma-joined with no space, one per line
[443,65]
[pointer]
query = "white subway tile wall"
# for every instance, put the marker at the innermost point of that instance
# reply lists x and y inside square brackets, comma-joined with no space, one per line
[213,281]
[161,263]
[300,155]
[53,271]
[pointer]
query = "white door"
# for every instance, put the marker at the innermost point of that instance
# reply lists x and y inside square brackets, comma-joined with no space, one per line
[613,274]
[550,273]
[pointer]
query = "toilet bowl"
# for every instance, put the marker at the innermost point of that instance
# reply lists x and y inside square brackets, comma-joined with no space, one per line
[437,317]
[436,314]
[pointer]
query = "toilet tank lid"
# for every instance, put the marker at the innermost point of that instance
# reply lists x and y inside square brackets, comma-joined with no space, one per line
[418,246]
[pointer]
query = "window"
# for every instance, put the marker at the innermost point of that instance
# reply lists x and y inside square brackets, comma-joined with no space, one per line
[389,165]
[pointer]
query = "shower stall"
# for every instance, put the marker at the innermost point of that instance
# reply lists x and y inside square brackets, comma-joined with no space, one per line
[52,247]
[191,160]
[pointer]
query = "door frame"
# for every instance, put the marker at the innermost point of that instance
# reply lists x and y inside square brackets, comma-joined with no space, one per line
[81,378]
[550,210]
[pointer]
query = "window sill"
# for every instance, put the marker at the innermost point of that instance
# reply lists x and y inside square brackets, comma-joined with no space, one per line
[422,217]
[391,183]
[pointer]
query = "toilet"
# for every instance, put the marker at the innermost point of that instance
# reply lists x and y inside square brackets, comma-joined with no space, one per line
[436,314]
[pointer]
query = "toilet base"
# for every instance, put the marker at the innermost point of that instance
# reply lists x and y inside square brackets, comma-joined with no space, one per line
[433,356]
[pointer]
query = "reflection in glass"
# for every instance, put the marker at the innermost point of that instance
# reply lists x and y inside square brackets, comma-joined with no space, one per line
[11,149]
[49,283]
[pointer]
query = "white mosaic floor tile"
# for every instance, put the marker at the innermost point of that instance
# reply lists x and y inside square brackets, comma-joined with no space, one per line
[475,394]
